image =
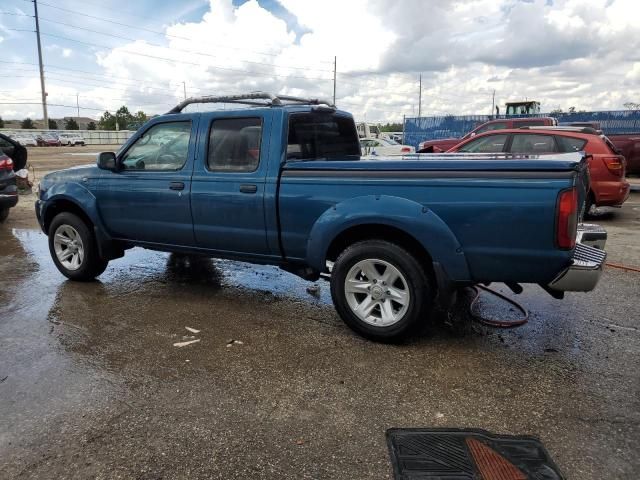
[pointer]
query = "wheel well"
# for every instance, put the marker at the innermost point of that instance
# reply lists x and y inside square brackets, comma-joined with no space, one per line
[60,206]
[381,232]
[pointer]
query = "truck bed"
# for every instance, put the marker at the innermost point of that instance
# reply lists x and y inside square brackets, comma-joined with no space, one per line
[468,211]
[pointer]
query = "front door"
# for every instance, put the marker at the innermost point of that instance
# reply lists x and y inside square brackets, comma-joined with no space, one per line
[148,199]
[227,192]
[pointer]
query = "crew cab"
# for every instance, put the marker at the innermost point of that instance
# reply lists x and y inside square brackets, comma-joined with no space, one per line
[283,183]
[444,144]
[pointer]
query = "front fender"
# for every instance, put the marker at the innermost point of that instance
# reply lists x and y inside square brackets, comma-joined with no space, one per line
[411,217]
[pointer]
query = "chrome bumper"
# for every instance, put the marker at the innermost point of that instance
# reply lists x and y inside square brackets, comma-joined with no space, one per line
[584,272]
[592,235]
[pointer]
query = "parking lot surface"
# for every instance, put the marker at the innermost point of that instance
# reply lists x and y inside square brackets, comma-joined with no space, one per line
[92,386]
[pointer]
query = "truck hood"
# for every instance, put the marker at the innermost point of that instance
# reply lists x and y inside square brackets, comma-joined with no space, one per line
[73,174]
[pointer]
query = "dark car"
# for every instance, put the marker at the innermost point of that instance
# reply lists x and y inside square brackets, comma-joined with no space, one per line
[15,151]
[8,188]
[48,140]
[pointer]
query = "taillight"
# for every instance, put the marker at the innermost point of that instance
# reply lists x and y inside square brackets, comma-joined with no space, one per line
[615,165]
[567,219]
[6,164]
[405,150]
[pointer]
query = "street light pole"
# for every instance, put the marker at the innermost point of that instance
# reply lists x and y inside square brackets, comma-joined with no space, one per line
[335,67]
[420,97]
[184,89]
[44,92]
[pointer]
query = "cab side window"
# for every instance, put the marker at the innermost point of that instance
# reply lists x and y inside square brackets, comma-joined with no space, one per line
[234,144]
[165,146]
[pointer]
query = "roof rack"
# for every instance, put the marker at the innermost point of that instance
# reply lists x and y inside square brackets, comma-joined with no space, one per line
[261,99]
[561,128]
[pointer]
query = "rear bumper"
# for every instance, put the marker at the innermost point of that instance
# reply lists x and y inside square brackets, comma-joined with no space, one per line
[592,235]
[8,200]
[611,194]
[584,272]
[8,191]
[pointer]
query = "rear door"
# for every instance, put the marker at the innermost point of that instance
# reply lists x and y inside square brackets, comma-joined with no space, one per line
[228,183]
[148,199]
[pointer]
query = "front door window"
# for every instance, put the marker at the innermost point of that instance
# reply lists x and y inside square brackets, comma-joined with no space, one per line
[164,147]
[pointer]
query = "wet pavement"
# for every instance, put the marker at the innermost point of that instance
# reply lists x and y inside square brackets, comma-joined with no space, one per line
[92,386]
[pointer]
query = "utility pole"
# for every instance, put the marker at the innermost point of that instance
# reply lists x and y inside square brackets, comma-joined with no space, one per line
[335,68]
[420,97]
[78,105]
[44,92]
[493,102]
[184,89]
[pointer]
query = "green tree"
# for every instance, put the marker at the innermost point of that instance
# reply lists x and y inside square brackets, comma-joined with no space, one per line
[392,127]
[91,126]
[71,124]
[53,124]
[632,106]
[124,118]
[1,123]
[107,121]
[27,123]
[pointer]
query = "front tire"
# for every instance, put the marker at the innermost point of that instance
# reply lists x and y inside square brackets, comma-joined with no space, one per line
[73,248]
[380,290]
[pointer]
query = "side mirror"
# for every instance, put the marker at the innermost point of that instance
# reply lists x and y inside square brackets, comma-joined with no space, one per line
[107,161]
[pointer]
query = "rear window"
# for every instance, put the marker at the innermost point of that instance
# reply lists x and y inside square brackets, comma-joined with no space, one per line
[528,123]
[320,136]
[615,150]
[492,126]
[571,144]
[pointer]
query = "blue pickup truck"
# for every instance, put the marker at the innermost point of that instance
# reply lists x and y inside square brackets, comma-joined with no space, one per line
[282,183]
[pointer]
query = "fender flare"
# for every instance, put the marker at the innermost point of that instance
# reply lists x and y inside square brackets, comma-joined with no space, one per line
[85,201]
[411,217]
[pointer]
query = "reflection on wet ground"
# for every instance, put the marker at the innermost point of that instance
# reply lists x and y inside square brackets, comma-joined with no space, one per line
[95,388]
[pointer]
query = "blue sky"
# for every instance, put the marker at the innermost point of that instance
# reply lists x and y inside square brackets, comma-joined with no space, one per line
[564,53]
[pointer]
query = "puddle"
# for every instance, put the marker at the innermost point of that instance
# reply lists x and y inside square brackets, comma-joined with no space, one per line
[140,265]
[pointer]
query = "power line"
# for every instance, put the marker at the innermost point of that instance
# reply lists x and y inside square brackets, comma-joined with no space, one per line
[179,49]
[137,27]
[174,60]
[51,105]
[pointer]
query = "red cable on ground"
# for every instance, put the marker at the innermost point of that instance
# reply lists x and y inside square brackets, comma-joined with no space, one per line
[623,267]
[492,322]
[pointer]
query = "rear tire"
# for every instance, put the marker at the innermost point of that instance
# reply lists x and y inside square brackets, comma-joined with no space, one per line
[74,249]
[380,290]
[4,213]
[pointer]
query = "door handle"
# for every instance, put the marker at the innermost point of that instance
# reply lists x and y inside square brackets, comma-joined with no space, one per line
[246,188]
[176,186]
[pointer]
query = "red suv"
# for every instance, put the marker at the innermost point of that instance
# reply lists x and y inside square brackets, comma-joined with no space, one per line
[444,144]
[606,168]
